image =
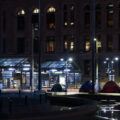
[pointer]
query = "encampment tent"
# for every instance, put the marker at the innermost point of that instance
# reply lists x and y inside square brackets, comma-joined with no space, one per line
[111,87]
[87,87]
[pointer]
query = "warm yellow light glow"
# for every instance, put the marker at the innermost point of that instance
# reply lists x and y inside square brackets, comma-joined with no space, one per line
[21,12]
[36,10]
[72,46]
[87,46]
[51,9]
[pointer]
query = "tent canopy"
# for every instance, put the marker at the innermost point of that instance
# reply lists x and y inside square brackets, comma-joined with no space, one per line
[12,62]
[111,87]
[20,62]
[56,65]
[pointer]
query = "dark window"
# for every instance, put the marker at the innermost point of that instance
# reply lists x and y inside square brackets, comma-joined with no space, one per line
[87,67]
[109,43]
[119,19]
[4,46]
[98,16]
[51,18]
[36,45]
[50,44]
[21,20]
[119,43]
[87,16]
[20,45]
[4,21]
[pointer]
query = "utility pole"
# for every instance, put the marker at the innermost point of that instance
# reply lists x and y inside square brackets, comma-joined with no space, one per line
[93,44]
[32,60]
[39,52]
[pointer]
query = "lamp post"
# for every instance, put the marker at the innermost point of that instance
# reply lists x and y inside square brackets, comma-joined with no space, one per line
[32,62]
[110,67]
[69,60]
[96,64]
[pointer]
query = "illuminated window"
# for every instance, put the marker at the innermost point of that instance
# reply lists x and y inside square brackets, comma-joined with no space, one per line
[36,11]
[87,16]
[51,44]
[110,13]
[21,12]
[72,15]
[51,18]
[65,43]
[98,16]
[87,44]
[51,10]
[35,17]
[72,45]
[20,19]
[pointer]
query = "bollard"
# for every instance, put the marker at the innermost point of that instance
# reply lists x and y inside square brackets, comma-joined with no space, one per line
[10,105]
[26,100]
[40,98]
[19,91]
[45,97]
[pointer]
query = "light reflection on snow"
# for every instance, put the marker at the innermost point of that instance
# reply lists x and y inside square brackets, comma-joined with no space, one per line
[109,111]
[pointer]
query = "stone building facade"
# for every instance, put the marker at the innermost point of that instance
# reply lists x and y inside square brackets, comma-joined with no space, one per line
[65,31]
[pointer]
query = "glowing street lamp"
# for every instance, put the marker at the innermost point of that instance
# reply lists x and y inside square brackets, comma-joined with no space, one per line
[110,70]
[67,61]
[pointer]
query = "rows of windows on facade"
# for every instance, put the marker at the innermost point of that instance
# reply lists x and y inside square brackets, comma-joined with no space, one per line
[68,21]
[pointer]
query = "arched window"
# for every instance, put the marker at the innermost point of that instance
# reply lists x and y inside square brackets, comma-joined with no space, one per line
[110,13]
[51,17]
[87,16]
[20,19]
[35,17]
[98,16]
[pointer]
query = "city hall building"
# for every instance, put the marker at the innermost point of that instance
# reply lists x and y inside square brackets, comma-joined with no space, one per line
[57,30]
